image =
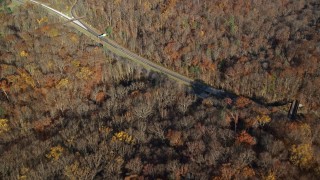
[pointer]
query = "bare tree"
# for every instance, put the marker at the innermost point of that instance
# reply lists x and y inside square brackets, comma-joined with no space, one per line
[134,165]
[184,102]
[157,129]
[142,110]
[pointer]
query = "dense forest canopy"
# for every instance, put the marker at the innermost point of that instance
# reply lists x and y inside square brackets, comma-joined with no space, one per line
[71,109]
[261,48]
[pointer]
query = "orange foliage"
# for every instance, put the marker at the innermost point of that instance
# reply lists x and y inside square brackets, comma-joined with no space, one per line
[44,28]
[246,138]
[182,170]
[301,129]
[212,66]
[40,125]
[222,5]
[270,176]
[100,96]
[242,102]
[207,65]
[50,82]
[207,102]
[134,93]
[174,137]
[169,49]
[247,172]
[243,59]
[4,85]
[132,177]
[293,126]
[146,6]
[195,61]
[42,91]
[227,171]
[227,119]
[245,43]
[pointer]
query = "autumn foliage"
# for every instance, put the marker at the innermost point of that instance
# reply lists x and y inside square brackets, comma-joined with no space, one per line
[246,138]
[242,102]
[302,155]
[71,109]
[55,152]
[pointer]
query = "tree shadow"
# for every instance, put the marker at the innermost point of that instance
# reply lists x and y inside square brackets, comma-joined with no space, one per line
[203,90]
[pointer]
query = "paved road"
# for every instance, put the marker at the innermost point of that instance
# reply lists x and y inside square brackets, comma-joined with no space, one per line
[77,22]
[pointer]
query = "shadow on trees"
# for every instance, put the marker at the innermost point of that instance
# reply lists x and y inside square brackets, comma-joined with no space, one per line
[203,90]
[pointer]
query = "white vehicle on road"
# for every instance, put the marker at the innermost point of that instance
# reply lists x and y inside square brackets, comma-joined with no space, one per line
[102,35]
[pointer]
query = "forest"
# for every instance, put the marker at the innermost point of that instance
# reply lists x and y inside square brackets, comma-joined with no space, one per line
[268,49]
[71,109]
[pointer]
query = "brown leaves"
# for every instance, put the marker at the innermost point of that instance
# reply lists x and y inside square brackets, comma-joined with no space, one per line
[245,138]
[4,84]
[100,97]
[299,132]
[175,137]
[40,125]
[45,28]
[172,51]
[133,177]
[242,102]
[227,171]
[247,172]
